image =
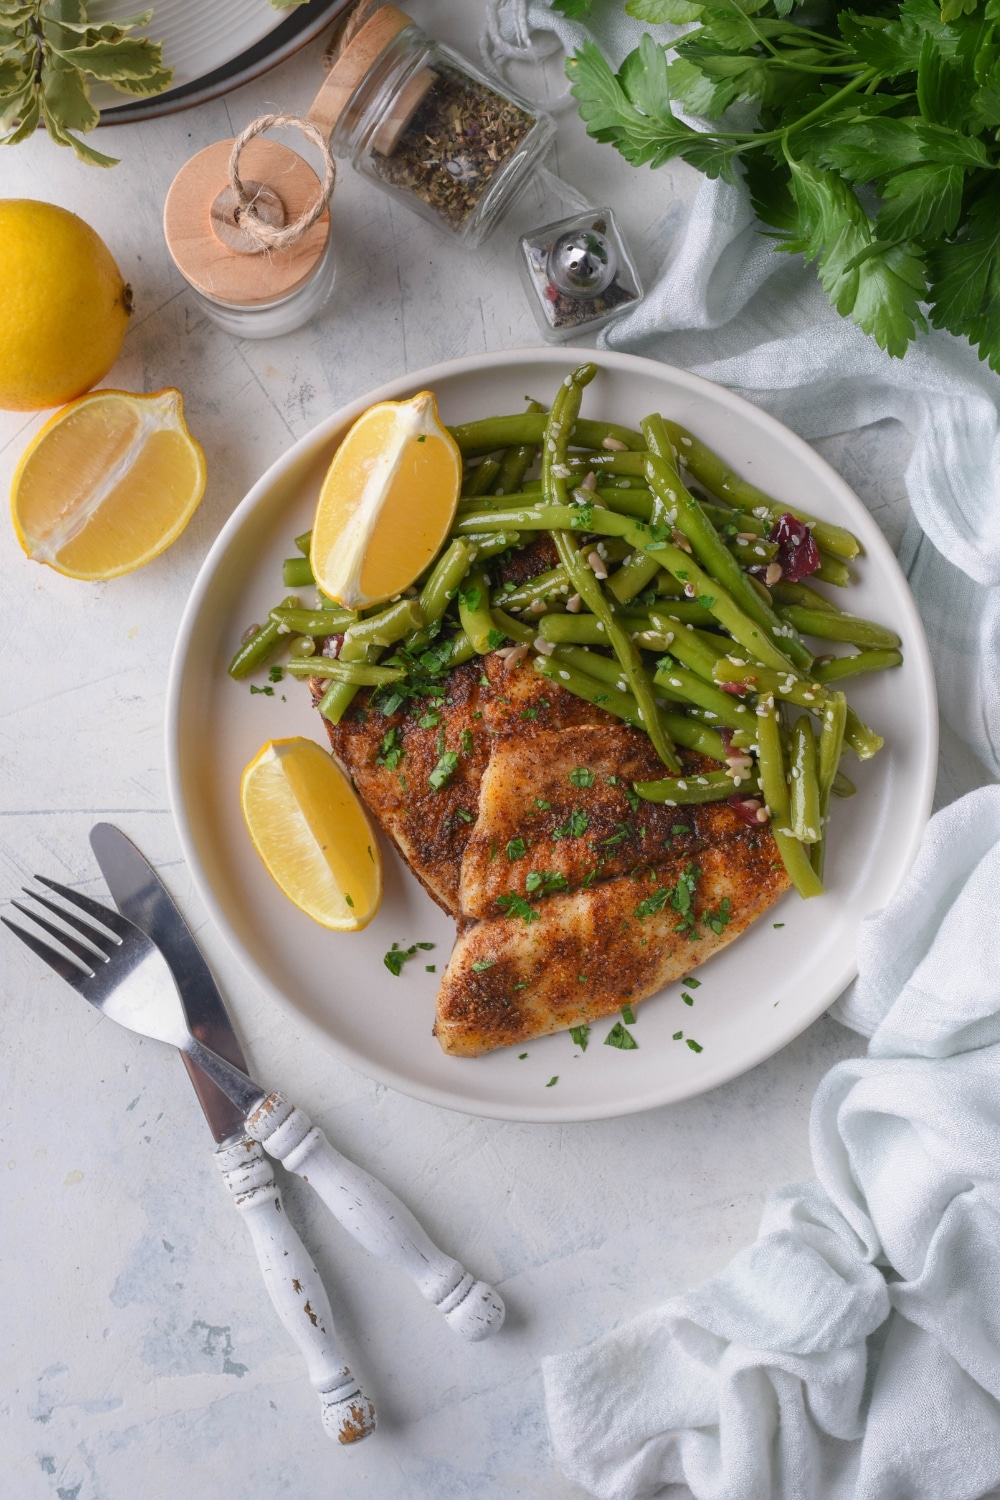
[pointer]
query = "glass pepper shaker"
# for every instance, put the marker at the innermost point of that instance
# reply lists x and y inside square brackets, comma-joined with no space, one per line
[430,129]
[578,274]
[247,226]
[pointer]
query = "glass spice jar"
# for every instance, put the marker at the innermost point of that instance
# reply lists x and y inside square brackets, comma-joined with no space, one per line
[578,274]
[425,125]
[251,288]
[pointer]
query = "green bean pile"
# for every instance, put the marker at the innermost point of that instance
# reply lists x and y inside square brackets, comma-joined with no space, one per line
[650,613]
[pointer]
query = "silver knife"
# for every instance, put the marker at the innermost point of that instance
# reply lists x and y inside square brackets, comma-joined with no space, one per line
[363,1205]
[291,1278]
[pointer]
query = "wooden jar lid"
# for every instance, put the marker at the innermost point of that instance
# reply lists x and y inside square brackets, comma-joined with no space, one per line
[205,248]
[352,68]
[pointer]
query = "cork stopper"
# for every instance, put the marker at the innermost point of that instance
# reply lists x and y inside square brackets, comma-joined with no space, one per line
[352,67]
[201,222]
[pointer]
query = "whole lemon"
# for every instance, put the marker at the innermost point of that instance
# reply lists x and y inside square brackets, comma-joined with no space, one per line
[64,306]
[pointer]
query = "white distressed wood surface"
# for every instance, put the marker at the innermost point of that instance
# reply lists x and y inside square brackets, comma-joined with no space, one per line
[296,1291]
[138,1362]
[377,1219]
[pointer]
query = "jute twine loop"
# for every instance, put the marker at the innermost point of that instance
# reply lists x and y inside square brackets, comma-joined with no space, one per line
[269,236]
[347,29]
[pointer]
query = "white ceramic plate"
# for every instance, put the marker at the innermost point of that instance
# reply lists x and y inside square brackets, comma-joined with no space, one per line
[753,998]
[212,47]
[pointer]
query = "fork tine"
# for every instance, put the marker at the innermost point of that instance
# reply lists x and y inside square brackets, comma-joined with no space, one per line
[111,919]
[101,940]
[85,955]
[63,966]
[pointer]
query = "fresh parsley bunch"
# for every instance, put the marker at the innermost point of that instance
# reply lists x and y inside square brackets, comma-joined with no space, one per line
[875,151]
[49,51]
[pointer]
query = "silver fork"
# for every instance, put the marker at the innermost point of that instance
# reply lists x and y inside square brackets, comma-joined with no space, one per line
[122,973]
[125,976]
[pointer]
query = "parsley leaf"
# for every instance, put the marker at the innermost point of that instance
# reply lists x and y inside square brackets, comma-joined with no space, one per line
[581,777]
[516,848]
[390,751]
[444,770]
[580,1035]
[620,1037]
[575,826]
[516,906]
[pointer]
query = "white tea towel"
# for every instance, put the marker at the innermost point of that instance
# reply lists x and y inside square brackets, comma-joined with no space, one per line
[729,307]
[853,1352]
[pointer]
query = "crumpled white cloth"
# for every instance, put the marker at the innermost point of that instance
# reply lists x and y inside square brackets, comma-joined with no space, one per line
[853,1352]
[727,306]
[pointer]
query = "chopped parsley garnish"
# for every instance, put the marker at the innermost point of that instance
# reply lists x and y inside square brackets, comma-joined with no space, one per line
[464,815]
[706,601]
[601,697]
[390,751]
[469,597]
[682,900]
[622,831]
[654,903]
[575,826]
[678,1036]
[686,998]
[692,983]
[580,1035]
[529,713]
[777,924]
[276,674]
[581,777]
[267,691]
[632,798]
[483,963]
[444,770]
[620,1037]
[546,881]
[695,1047]
[541,802]
[583,517]
[431,719]
[628,1015]
[522,985]
[430,968]
[516,848]
[516,906]
[465,740]
[348,899]
[496,638]
[552,1080]
[718,920]
[521,1056]
[397,956]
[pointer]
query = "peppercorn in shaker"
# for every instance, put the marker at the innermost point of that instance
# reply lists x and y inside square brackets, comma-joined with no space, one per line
[578,274]
[422,122]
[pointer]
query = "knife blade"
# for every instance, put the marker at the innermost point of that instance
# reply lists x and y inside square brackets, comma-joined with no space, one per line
[141,896]
[366,1207]
[290,1275]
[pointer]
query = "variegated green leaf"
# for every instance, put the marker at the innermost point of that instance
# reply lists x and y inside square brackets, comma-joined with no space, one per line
[64,90]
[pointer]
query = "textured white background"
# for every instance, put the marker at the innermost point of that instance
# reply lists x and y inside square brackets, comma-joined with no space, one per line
[140,1355]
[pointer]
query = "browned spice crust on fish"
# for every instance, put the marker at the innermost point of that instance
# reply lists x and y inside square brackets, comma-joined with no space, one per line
[567,890]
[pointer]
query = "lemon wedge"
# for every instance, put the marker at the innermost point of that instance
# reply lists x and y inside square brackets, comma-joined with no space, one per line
[387,502]
[109,482]
[310,829]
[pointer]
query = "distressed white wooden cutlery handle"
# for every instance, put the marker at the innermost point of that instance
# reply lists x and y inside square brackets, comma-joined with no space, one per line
[376,1217]
[295,1288]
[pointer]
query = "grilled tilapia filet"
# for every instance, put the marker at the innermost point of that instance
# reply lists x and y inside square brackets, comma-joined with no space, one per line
[591,951]
[538,819]
[484,702]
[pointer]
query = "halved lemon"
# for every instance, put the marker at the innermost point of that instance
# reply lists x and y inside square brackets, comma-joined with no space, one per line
[109,482]
[310,829]
[387,502]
